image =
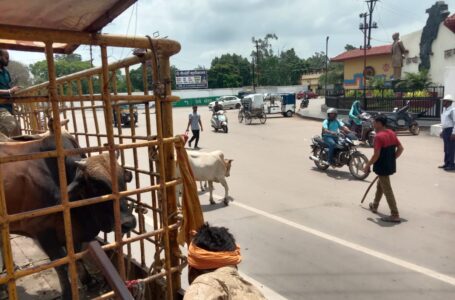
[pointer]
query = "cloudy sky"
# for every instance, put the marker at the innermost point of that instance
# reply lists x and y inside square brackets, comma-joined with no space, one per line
[209,28]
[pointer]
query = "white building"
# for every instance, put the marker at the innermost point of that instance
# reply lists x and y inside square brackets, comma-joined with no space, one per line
[442,48]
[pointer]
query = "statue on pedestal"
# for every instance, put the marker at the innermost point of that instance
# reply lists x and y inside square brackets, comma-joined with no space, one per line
[398,52]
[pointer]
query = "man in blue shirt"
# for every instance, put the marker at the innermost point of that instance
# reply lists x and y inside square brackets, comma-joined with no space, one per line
[5,80]
[330,129]
[8,124]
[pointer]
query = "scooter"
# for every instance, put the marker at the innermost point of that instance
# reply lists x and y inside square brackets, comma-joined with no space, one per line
[219,121]
[366,132]
[401,119]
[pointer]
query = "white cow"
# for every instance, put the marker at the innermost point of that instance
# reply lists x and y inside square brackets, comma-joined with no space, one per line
[211,167]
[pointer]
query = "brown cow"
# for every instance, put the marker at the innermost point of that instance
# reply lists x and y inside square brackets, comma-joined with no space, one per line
[34,184]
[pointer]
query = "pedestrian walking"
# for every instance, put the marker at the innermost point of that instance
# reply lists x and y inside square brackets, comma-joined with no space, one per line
[387,148]
[196,127]
[448,132]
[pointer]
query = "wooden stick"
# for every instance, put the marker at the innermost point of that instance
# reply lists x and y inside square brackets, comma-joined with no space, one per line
[368,189]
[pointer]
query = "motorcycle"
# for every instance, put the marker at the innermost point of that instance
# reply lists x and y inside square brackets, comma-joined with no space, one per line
[346,153]
[367,133]
[401,120]
[219,121]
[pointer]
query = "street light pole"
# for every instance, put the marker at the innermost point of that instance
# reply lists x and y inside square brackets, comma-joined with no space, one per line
[326,62]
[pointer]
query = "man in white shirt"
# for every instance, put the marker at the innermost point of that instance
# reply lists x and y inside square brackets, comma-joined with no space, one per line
[448,132]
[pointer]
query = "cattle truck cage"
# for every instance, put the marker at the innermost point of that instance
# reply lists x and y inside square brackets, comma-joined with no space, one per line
[152,245]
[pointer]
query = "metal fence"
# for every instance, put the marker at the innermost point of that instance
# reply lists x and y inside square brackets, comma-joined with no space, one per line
[91,117]
[427,101]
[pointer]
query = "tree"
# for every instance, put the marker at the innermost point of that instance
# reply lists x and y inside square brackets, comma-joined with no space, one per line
[64,65]
[229,70]
[335,74]
[349,47]
[317,61]
[20,74]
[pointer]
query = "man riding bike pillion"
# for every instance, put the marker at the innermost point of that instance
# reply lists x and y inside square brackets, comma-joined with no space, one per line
[330,129]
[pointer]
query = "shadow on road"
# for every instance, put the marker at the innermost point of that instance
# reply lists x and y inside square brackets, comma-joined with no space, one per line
[378,220]
[211,207]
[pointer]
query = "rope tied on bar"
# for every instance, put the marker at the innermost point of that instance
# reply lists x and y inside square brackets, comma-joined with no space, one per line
[136,288]
[191,207]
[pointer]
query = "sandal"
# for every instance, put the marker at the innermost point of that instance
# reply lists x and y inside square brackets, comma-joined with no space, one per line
[372,208]
[391,219]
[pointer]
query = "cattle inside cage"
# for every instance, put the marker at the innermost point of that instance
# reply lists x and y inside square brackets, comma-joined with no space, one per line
[72,177]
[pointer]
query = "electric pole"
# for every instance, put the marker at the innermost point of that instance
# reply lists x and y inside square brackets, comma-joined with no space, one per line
[257,62]
[366,27]
[371,4]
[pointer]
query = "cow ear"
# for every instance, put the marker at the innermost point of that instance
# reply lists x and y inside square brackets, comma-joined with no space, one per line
[81,164]
[128,175]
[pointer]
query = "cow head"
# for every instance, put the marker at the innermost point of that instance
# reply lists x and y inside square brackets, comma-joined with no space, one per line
[227,163]
[93,179]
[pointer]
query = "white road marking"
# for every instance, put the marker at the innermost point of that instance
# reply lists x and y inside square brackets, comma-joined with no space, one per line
[396,261]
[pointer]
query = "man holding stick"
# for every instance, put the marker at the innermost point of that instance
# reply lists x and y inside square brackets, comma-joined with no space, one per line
[387,148]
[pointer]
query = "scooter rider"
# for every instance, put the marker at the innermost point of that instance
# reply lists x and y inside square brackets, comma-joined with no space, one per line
[216,108]
[356,122]
[330,129]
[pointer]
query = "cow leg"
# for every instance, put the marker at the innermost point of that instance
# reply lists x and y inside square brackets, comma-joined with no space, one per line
[211,192]
[50,245]
[226,191]
[202,187]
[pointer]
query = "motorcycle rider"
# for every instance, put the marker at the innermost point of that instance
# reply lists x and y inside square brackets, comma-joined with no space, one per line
[331,127]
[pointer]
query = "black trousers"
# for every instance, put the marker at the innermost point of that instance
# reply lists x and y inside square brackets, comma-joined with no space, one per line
[194,137]
[449,148]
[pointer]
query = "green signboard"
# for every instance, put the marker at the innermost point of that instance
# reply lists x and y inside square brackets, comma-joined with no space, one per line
[201,101]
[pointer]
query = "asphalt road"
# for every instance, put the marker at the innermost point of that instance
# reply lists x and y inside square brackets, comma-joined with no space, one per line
[304,234]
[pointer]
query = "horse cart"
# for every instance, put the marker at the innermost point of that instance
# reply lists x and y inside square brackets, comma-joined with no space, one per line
[90,193]
[252,108]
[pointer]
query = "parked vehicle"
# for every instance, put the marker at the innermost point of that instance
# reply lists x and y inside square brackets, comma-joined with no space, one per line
[366,133]
[125,116]
[219,121]
[252,108]
[306,95]
[280,104]
[401,119]
[346,153]
[227,102]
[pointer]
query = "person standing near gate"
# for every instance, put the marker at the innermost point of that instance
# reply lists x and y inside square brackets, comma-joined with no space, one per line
[387,148]
[8,124]
[196,126]
[448,132]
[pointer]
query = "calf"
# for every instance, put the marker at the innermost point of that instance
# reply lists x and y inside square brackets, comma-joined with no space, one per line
[211,167]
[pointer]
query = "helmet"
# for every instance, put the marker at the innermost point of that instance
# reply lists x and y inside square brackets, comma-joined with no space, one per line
[448,97]
[332,111]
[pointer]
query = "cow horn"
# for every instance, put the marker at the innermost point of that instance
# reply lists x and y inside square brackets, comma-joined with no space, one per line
[82,164]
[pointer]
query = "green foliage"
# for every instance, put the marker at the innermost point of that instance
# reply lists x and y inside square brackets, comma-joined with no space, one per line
[416,81]
[64,65]
[229,70]
[349,47]
[316,61]
[335,74]
[377,82]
